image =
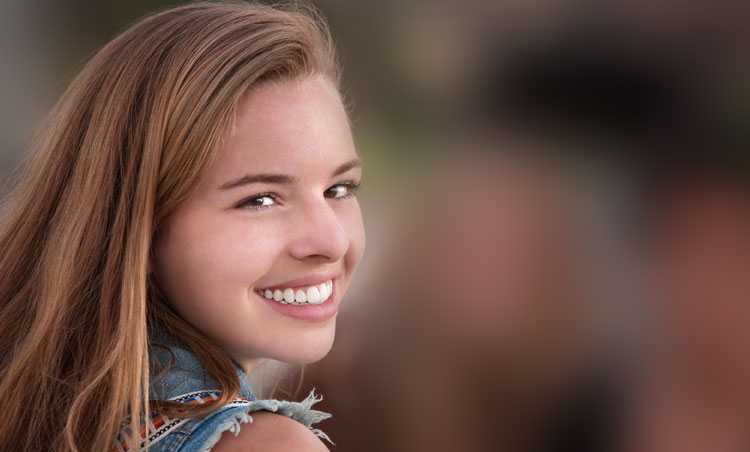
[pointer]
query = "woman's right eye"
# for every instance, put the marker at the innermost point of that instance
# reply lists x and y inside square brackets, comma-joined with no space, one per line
[258,202]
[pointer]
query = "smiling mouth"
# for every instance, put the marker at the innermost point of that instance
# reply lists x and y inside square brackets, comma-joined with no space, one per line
[300,296]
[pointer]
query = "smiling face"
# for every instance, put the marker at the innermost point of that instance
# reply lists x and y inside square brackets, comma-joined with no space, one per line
[261,253]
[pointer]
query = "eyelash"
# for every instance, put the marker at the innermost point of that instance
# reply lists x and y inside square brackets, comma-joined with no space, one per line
[351,186]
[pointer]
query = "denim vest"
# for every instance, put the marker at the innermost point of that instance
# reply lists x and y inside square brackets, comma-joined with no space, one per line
[187,381]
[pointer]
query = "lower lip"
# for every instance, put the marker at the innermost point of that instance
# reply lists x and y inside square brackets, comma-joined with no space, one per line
[311,313]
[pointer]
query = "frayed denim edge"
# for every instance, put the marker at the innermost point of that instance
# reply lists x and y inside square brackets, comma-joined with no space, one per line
[299,411]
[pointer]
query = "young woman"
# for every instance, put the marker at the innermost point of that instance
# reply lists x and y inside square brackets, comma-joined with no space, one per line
[187,212]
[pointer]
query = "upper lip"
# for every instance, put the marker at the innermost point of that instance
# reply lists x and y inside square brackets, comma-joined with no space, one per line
[309,280]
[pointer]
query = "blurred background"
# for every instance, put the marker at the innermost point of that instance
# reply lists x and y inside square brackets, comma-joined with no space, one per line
[557,202]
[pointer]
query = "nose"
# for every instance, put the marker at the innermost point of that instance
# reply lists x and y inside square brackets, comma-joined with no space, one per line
[320,234]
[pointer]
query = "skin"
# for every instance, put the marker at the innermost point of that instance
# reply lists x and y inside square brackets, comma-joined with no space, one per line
[221,245]
[270,432]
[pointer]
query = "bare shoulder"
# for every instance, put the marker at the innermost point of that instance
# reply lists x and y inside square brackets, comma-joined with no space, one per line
[270,432]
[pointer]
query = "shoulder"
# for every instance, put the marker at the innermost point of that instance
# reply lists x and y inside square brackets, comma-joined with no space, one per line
[243,425]
[270,431]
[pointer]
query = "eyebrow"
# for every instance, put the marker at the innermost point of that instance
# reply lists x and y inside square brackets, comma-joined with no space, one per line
[265,178]
[353,163]
[271,178]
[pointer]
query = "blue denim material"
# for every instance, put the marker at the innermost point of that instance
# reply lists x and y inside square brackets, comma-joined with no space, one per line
[187,375]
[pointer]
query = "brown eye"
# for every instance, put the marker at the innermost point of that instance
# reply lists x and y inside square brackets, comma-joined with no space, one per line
[340,191]
[258,202]
[337,191]
[261,201]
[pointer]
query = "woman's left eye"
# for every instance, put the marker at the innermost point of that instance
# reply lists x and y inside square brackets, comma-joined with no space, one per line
[340,191]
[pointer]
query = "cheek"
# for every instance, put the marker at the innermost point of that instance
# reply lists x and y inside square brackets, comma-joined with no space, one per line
[206,264]
[351,219]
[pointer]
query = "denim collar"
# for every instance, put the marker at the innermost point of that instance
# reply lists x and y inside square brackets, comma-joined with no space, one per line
[186,374]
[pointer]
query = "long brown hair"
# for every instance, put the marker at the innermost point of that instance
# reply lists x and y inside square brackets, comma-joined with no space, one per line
[122,148]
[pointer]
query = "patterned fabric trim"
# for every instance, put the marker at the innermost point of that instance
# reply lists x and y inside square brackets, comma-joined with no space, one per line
[160,425]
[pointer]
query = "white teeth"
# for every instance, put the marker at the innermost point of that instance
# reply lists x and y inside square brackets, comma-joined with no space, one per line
[300,296]
[313,295]
[325,290]
[322,290]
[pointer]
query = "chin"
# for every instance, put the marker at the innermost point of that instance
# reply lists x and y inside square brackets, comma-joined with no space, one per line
[306,348]
[307,356]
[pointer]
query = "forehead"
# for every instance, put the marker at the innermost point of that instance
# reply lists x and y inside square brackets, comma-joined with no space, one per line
[288,126]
